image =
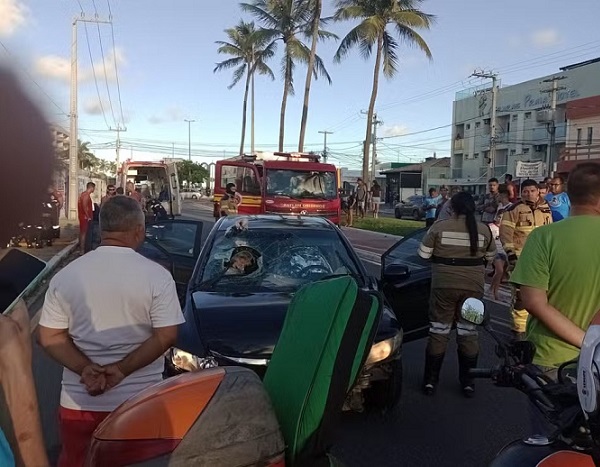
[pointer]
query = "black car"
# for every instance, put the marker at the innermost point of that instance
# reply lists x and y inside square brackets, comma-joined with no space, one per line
[413,207]
[244,281]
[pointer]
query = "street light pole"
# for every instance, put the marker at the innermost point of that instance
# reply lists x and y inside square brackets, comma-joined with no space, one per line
[190,150]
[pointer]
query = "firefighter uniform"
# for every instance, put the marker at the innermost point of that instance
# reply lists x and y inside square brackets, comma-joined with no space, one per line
[517,223]
[456,276]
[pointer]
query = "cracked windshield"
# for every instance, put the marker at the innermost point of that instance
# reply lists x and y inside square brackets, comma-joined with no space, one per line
[376,220]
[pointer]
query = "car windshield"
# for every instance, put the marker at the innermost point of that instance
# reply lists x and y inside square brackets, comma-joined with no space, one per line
[405,253]
[273,260]
[301,184]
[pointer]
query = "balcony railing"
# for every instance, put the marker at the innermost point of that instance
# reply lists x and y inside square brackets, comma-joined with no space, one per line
[580,153]
[458,145]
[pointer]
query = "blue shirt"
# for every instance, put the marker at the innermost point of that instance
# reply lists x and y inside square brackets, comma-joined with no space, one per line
[430,206]
[560,205]
[6,455]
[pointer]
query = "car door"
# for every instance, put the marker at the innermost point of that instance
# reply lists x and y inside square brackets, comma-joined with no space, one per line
[176,245]
[406,284]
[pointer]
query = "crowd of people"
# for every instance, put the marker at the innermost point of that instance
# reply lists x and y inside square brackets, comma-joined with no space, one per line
[540,238]
[360,202]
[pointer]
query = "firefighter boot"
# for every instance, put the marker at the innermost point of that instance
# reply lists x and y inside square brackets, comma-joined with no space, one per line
[467,383]
[433,365]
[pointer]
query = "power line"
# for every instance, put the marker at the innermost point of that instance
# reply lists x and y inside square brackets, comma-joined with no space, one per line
[112,110]
[87,39]
[112,31]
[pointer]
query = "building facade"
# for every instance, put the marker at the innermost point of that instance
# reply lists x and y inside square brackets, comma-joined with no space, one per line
[524,124]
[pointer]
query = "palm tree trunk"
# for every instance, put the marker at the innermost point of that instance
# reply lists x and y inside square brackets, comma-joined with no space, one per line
[245,109]
[365,169]
[286,89]
[252,114]
[309,73]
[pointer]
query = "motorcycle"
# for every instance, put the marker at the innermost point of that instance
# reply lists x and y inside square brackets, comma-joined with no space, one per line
[571,403]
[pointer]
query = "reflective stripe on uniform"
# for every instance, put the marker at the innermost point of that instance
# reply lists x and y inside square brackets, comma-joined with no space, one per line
[439,328]
[508,223]
[460,239]
[466,329]
[425,252]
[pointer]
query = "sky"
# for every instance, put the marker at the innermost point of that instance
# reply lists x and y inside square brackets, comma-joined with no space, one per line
[164,54]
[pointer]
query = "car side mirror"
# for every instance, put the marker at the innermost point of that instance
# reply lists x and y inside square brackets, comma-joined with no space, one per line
[473,311]
[395,273]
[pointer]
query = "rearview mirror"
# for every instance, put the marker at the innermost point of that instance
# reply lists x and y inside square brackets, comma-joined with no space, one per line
[473,311]
[395,273]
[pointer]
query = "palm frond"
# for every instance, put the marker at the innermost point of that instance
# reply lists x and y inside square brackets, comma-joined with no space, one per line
[260,10]
[264,69]
[364,35]
[228,64]
[390,57]
[238,74]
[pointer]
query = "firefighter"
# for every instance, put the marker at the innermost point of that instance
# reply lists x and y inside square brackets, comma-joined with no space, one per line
[459,249]
[230,201]
[518,221]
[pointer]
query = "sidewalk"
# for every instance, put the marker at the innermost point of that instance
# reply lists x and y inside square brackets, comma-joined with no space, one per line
[69,232]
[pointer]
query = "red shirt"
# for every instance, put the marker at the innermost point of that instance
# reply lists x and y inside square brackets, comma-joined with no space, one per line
[85,208]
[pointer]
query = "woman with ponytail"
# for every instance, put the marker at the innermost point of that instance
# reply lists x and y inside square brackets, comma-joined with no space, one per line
[459,249]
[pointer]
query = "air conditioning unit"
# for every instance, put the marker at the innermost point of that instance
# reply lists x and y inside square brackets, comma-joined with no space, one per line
[544,116]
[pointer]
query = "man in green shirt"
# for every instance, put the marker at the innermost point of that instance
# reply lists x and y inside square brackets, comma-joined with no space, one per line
[559,273]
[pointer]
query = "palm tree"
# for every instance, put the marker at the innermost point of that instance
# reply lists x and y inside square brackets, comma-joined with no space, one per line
[249,50]
[284,20]
[376,15]
[87,159]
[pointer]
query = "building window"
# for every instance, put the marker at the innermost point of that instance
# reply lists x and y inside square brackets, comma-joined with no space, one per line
[590,137]
[579,136]
[527,115]
[515,118]
[476,155]
[525,150]
[468,126]
[487,121]
[466,156]
[513,152]
[477,124]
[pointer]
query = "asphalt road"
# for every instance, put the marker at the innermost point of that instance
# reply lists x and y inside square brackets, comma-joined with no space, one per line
[446,430]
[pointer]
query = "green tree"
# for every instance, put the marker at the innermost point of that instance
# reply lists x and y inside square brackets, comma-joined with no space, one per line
[87,159]
[285,20]
[187,169]
[377,16]
[250,50]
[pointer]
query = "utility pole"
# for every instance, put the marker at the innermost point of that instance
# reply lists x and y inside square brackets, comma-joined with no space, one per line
[190,150]
[252,111]
[119,129]
[376,123]
[74,124]
[551,125]
[492,160]
[325,133]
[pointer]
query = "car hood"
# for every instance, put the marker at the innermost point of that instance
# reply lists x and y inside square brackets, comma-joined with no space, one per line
[240,324]
[248,325]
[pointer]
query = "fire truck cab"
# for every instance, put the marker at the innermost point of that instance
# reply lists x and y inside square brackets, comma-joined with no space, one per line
[280,183]
[153,180]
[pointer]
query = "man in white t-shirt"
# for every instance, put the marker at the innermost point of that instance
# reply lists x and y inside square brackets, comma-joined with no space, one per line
[108,318]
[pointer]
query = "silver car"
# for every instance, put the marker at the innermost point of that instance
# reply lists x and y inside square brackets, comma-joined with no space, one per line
[191,193]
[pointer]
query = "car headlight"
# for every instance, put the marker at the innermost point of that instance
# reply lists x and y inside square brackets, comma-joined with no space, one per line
[382,350]
[185,361]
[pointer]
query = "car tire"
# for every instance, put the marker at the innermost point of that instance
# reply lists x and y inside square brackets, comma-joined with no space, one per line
[416,215]
[194,197]
[384,396]
[397,214]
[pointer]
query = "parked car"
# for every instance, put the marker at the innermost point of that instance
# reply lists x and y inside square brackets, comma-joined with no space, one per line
[235,318]
[413,207]
[191,193]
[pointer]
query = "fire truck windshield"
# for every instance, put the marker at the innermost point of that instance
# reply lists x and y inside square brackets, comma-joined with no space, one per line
[301,184]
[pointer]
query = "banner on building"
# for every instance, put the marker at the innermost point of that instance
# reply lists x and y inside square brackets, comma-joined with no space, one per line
[530,169]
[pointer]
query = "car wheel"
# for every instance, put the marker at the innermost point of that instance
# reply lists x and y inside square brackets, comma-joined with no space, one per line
[384,395]
[194,197]
[398,214]
[416,215]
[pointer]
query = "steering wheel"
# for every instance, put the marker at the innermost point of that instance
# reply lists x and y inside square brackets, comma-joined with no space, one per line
[313,269]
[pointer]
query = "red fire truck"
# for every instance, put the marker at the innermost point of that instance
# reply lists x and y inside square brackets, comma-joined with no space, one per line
[280,183]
